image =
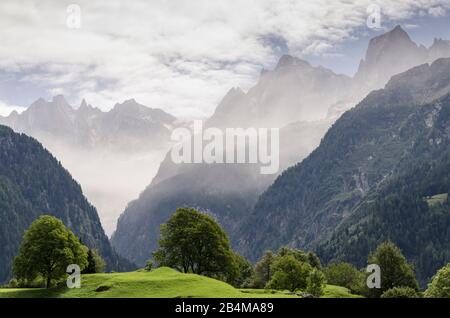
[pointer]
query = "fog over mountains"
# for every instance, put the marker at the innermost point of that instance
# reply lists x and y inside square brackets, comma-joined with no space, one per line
[33,183]
[112,154]
[391,131]
[302,100]
[282,96]
[116,154]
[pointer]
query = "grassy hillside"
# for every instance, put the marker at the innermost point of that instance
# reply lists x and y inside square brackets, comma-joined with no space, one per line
[160,283]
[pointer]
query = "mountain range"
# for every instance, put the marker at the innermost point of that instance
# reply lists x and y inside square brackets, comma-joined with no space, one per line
[283,96]
[304,101]
[341,166]
[387,137]
[101,149]
[128,126]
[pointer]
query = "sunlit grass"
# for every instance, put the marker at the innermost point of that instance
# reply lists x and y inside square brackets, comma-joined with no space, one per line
[159,283]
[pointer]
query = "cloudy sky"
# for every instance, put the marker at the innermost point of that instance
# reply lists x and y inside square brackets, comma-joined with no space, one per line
[181,55]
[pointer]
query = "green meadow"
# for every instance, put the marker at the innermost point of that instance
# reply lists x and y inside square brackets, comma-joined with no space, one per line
[159,283]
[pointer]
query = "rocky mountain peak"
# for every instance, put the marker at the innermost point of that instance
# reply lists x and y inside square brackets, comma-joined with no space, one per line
[57,105]
[440,48]
[388,54]
[39,102]
[83,104]
[383,46]
[398,32]
[60,100]
[129,105]
[87,111]
[289,61]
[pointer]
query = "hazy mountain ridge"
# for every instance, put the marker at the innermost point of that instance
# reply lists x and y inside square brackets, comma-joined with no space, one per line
[227,192]
[286,93]
[283,96]
[392,53]
[128,126]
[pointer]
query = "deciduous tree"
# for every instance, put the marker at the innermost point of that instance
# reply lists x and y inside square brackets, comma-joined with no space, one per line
[289,273]
[193,242]
[440,284]
[48,247]
[395,271]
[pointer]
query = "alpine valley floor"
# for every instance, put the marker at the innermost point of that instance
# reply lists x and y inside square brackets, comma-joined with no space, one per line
[159,283]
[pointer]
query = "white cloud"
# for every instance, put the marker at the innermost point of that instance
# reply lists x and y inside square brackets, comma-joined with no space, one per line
[317,48]
[437,11]
[6,109]
[410,26]
[176,54]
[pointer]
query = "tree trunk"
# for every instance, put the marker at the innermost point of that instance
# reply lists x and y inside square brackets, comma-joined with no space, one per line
[49,280]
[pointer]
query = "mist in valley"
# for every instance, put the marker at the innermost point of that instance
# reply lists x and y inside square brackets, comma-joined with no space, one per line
[109,179]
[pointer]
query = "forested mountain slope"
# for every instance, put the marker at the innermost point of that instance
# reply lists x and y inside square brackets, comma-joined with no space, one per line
[365,147]
[411,207]
[33,183]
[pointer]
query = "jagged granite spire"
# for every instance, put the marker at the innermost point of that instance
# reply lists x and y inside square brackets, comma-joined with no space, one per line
[388,54]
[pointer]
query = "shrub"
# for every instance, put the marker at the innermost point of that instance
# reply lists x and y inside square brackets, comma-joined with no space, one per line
[13,283]
[346,275]
[440,284]
[400,292]
[149,265]
[315,283]
[289,274]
